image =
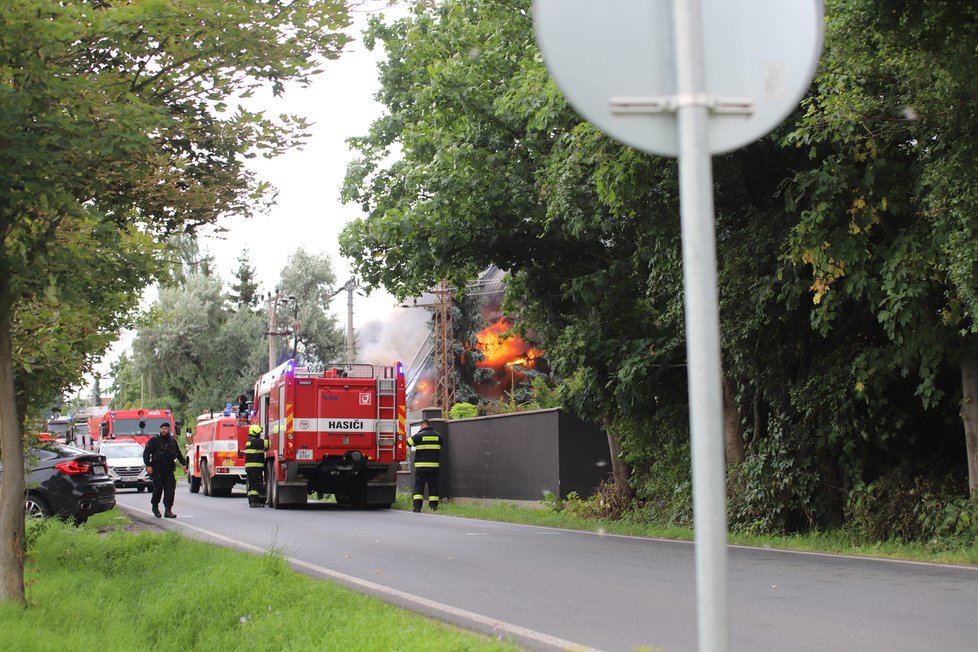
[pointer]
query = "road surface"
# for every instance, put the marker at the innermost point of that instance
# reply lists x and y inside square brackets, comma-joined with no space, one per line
[552,589]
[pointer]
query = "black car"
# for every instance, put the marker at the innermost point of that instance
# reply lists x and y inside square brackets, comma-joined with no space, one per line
[68,483]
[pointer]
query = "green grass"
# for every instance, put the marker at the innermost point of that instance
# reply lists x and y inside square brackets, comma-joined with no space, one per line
[837,542]
[103,587]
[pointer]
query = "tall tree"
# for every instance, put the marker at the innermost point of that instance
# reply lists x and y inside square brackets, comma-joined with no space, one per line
[113,120]
[310,282]
[889,214]
[245,288]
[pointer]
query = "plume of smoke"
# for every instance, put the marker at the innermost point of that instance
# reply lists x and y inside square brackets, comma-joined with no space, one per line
[398,336]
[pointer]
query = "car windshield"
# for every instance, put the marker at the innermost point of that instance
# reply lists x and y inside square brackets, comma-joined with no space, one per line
[121,450]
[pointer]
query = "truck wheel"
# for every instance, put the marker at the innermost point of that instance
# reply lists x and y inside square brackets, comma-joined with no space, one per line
[194,483]
[272,487]
[205,477]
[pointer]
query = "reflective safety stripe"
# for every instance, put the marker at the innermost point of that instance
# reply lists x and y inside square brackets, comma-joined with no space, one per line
[432,499]
[253,451]
[254,465]
[418,496]
[429,447]
[426,465]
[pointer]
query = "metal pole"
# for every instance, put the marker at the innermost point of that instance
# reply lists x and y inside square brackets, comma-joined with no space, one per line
[702,329]
[350,286]
[271,331]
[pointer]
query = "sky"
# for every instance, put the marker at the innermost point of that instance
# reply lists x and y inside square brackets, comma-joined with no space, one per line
[308,212]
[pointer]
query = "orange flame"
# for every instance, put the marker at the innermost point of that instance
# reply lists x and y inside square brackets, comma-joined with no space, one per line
[507,354]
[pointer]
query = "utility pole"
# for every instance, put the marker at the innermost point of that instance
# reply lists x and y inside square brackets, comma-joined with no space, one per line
[444,356]
[273,331]
[443,349]
[349,287]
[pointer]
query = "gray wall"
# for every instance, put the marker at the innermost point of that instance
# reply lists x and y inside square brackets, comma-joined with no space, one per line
[520,456]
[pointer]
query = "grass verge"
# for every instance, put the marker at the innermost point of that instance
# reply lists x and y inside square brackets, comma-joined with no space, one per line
[104,587]
[836,542]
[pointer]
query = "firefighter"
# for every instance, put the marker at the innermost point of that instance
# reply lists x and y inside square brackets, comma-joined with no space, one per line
[427,453]
[160,456]
[255,465]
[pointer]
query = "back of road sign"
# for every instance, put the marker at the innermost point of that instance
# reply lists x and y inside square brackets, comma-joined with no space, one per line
[615,62]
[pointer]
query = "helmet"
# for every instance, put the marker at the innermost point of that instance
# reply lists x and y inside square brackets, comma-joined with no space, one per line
[254,430]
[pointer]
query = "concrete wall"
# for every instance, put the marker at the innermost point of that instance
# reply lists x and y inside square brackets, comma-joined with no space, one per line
[519,456]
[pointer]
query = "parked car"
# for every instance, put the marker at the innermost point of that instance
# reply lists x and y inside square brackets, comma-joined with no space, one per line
[125,460]
[67,482]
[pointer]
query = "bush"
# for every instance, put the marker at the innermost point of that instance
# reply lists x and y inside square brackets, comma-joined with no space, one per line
[463,411]
[774,490]
[904,505]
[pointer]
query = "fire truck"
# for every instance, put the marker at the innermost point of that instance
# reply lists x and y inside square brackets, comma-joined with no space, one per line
[138,425]
[213,457]
[340,431]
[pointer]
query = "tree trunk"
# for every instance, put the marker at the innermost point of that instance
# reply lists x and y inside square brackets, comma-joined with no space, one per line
[733,431]
[969,415]
[12,483]
[619,470]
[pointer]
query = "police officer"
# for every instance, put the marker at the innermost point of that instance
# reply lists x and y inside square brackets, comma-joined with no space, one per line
[160,456]
[427,453]
[255,465]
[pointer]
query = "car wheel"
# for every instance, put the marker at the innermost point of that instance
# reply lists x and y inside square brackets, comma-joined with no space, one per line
[140,489]
[206,477]
[36,507]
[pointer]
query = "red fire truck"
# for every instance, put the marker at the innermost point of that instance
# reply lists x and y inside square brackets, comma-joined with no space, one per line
[138,425]
[339,431]
[213,455]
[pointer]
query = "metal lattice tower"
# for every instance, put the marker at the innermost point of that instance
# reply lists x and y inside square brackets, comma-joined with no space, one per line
[444,357]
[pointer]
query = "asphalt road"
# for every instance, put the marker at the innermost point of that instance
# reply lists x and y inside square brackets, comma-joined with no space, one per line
[558,589]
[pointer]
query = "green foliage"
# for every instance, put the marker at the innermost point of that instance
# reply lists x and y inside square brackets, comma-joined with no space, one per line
[192,595]
[463,411]
[909,504]
[846,245]
[245,289]
[309,278]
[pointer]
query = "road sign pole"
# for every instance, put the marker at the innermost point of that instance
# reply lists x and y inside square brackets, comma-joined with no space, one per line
[702,328]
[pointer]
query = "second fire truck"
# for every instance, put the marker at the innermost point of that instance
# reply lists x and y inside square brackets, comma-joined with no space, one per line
[339,431]
[138,425]
[213,459]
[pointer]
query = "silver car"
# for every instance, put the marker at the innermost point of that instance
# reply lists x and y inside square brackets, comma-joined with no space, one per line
[126,467]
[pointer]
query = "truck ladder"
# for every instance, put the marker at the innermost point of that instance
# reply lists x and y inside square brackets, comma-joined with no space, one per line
[386,416]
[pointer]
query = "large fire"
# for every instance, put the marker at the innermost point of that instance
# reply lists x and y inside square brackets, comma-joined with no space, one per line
[507,354]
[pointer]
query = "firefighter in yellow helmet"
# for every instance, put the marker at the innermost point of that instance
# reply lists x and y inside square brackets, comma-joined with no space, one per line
[255,465]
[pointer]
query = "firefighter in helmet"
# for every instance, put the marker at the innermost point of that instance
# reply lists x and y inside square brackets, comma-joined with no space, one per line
[255,465]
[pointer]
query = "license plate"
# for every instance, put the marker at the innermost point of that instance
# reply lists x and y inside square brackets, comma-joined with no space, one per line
[303,454]
[98,469]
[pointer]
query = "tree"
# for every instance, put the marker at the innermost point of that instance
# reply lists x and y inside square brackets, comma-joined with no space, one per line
[310,281]
[888,212]
[199,352]
[245,290]
[113,120]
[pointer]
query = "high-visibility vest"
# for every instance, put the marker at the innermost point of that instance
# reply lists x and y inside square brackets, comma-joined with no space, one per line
[427,448]
[255,451]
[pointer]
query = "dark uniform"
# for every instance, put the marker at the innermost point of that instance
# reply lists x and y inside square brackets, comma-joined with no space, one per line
[255,465]
[427,454]
[161,454]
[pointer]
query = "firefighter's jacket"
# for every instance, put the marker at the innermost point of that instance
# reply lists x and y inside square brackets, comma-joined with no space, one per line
[427,449]
[161,453]
[254,452]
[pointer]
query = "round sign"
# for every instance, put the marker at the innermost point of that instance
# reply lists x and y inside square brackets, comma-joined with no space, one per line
[615,61]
